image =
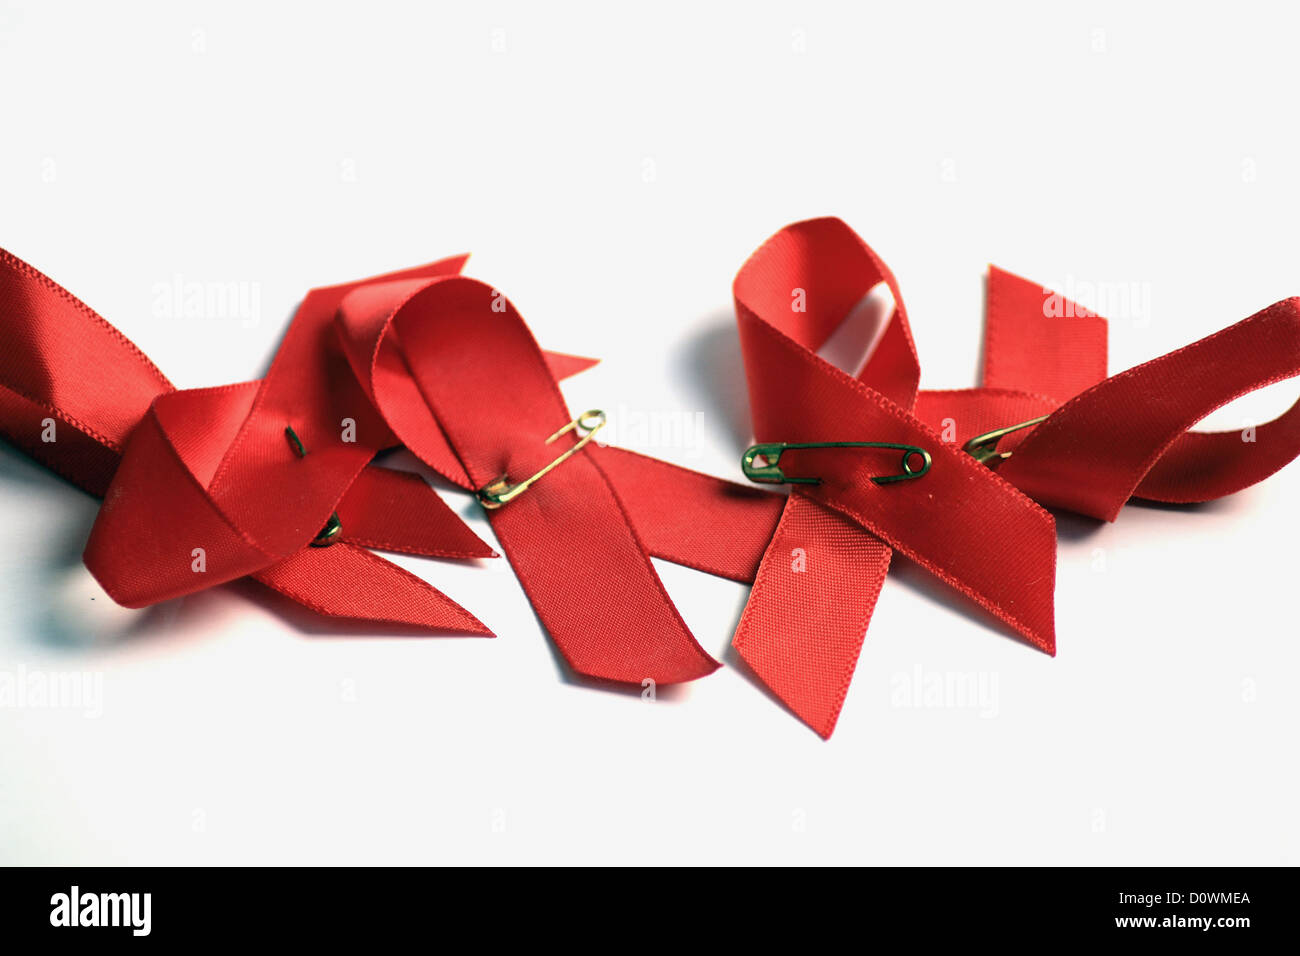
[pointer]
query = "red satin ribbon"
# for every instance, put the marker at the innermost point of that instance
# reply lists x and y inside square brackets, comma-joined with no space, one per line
[444,365]
[425,358]
[981,531]
[573,539]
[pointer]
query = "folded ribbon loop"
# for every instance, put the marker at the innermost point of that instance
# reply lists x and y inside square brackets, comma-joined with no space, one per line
[477,371]
[1129,435]
[1081,441]
[203,486]
[790,296]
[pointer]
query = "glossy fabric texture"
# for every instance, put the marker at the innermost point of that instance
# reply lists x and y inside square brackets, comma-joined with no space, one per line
[203,486]
[980,530]
[445,365]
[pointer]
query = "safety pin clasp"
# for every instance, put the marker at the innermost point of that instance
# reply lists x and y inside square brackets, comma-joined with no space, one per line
[497,493]
[771,452]
[984,448]
[333,528]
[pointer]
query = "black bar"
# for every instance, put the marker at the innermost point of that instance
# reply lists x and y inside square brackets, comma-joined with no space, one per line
[641,910]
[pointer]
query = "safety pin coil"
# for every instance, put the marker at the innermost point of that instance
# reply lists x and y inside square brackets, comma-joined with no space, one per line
[771,452]
[500,491]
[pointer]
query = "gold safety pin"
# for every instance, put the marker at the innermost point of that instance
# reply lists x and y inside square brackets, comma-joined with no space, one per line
[496,493]
[771,452]
[984,448]
[333,528]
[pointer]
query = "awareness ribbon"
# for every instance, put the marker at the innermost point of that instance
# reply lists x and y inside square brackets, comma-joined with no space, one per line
[249,474]
[979,527]
[203,486]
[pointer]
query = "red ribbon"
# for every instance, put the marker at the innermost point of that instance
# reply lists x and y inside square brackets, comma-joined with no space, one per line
[247,475]
[204,486]
[580,541]
[981,531]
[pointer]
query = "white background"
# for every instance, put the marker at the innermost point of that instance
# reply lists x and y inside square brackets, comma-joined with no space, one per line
[611,168]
